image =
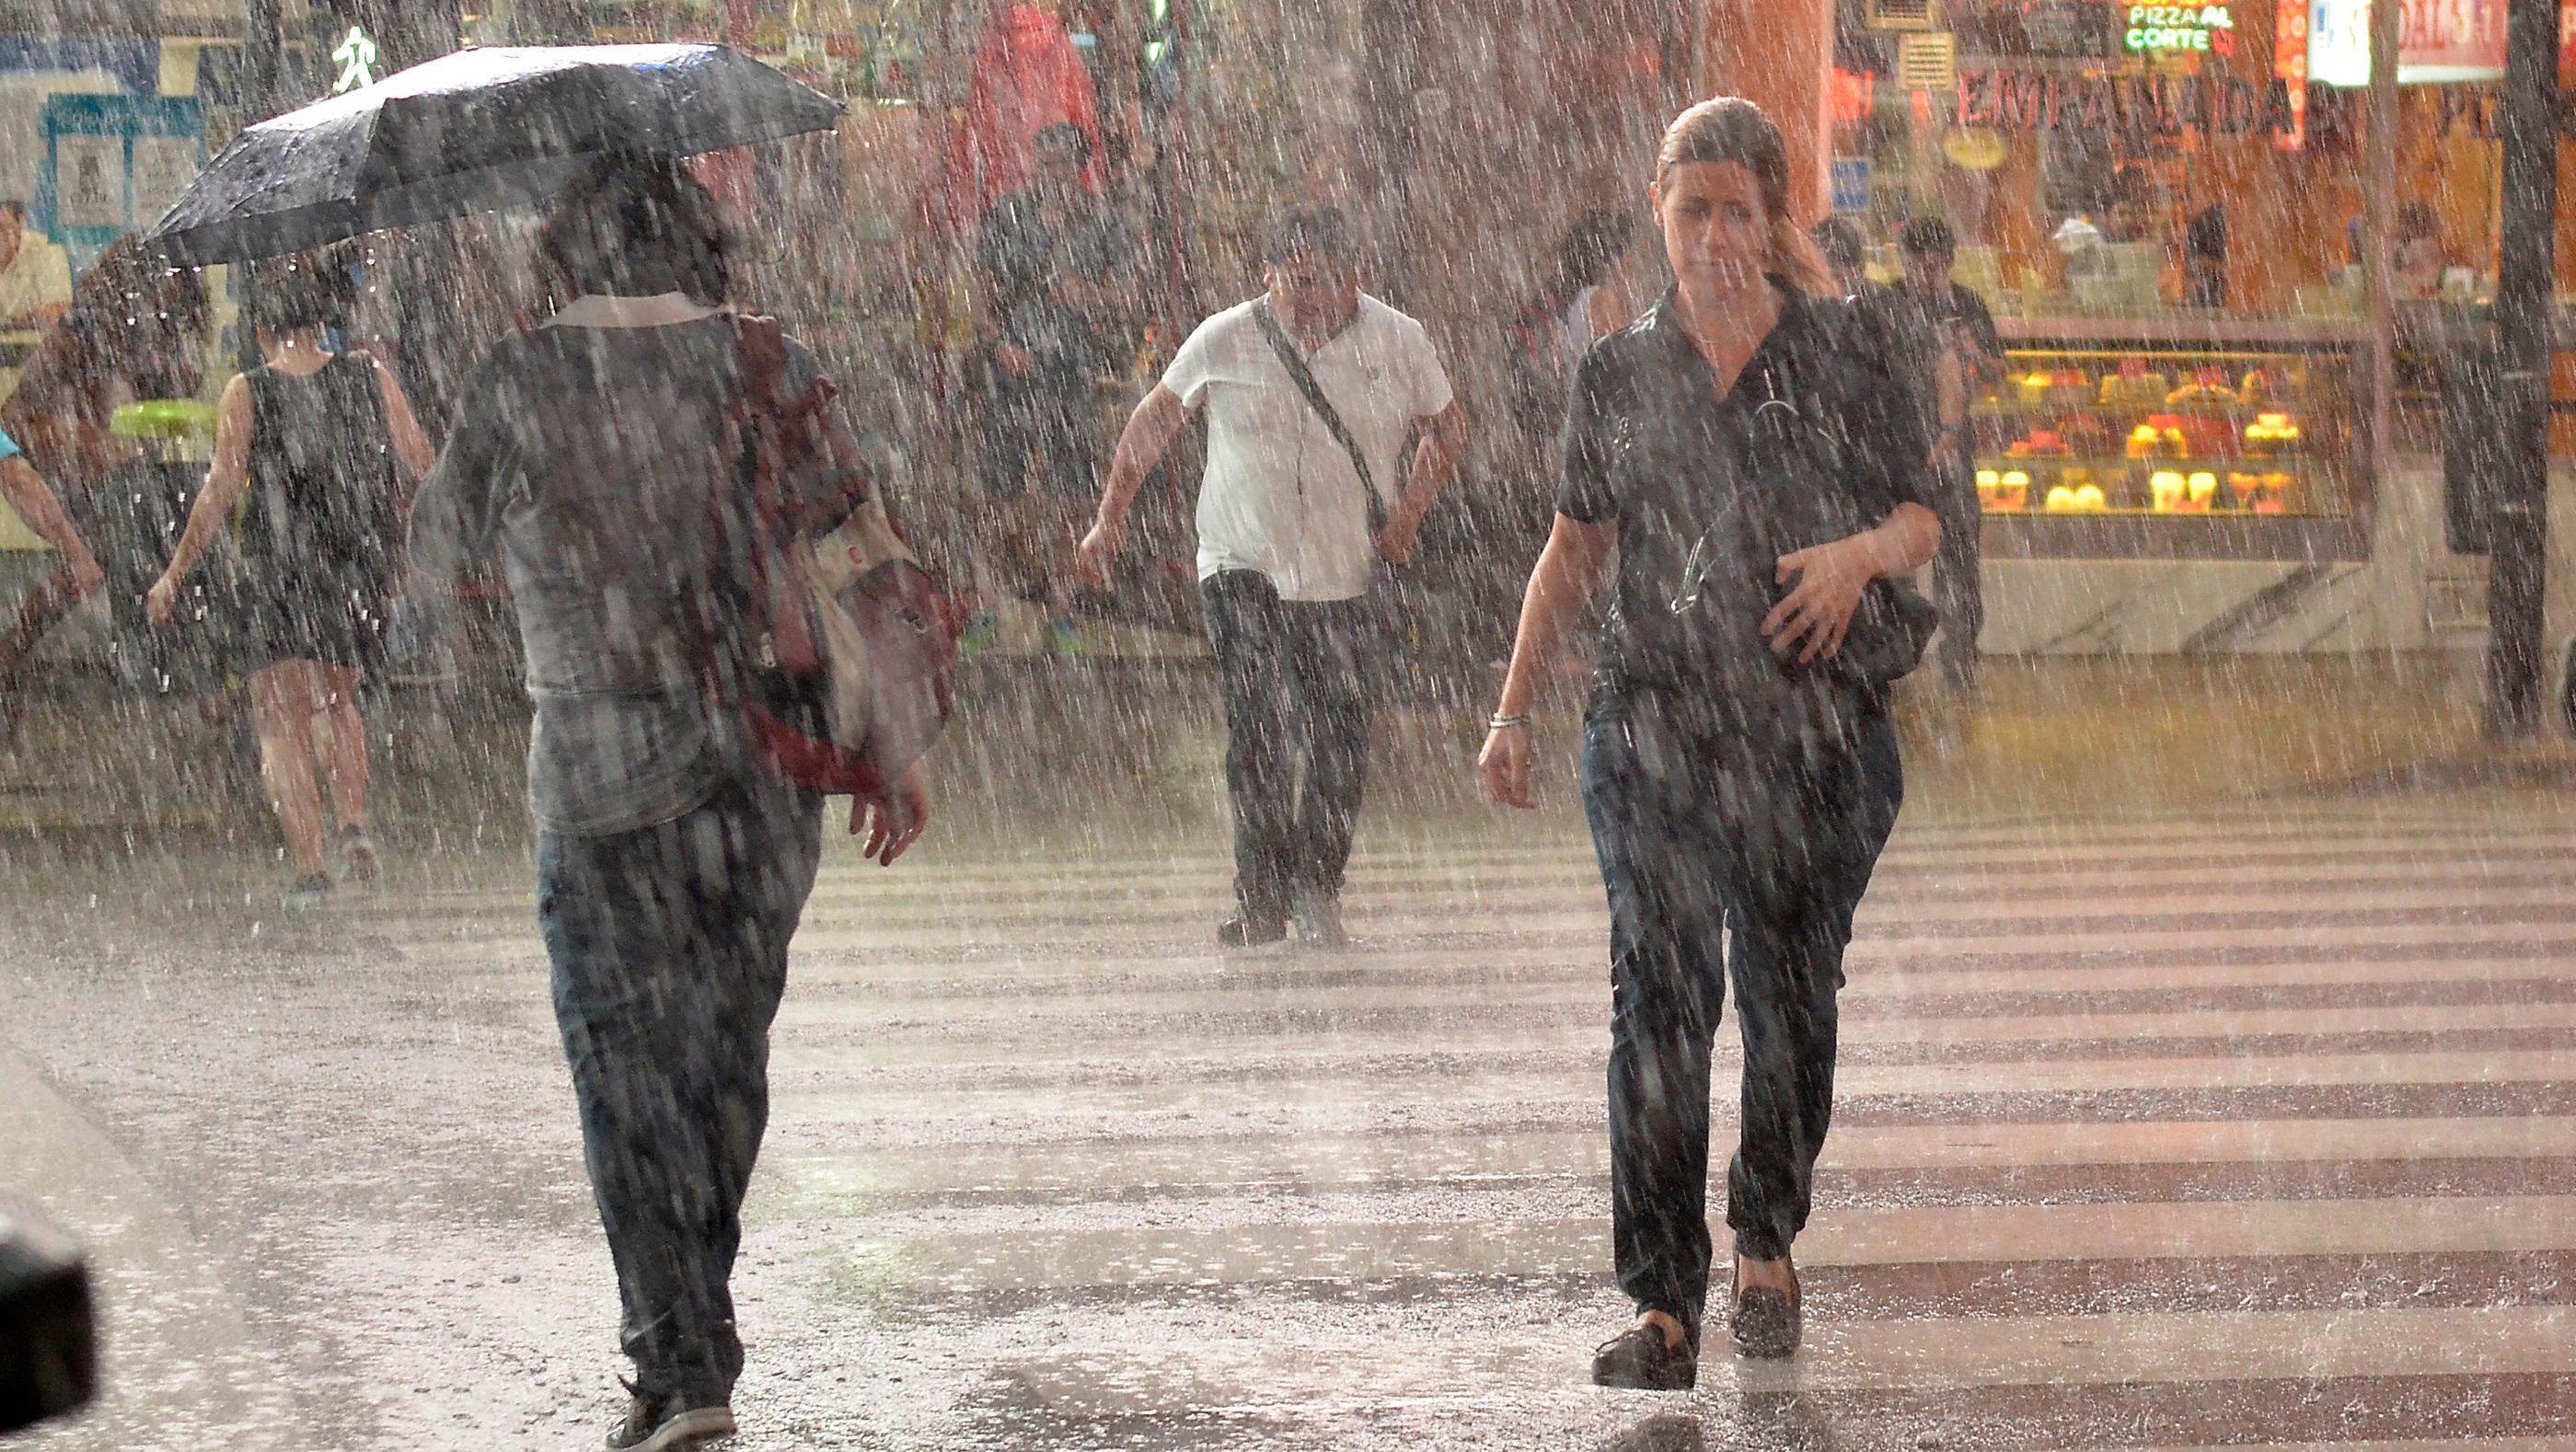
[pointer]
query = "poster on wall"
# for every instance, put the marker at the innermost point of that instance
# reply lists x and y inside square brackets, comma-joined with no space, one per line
[163,167]
[89,182]
[2439,42]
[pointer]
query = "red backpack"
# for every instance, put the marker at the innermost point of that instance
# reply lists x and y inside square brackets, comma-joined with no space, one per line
[842,669]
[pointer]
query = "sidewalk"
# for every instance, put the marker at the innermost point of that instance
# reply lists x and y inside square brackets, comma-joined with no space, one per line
[1044,748]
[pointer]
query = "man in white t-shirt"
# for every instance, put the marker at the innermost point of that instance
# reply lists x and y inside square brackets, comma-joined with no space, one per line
[35,276]
[1290,537]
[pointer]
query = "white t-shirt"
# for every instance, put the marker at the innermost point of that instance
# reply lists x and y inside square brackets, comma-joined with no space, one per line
[39,275]
[1279,496]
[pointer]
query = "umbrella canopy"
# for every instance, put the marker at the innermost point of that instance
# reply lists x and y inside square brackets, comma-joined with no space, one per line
[474,131]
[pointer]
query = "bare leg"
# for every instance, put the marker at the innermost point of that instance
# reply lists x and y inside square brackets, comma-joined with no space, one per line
[282,697]
[344,766]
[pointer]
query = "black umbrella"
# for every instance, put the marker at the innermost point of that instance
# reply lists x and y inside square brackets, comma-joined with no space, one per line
[474,131]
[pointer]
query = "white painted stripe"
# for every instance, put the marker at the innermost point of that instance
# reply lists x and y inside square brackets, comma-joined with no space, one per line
[1285,1372]
[1252,1254]
[1323,1161]
[1341,1092]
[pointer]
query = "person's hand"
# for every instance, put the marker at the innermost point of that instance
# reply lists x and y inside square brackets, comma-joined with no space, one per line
[1014,359]
[1097,550]
[1395,542]
[87,578]
[1811,620]
[162,601]
[1504,765]
[895,819]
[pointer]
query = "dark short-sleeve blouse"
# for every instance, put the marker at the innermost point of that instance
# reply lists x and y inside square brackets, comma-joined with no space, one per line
[1705,494]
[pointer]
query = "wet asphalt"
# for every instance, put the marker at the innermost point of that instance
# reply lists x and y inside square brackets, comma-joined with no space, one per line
[2235,1123]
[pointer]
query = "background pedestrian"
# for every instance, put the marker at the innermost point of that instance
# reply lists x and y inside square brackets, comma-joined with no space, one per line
[310,441]
[1297,511]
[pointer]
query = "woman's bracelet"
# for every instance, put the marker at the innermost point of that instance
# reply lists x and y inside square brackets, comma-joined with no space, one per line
[1505,723]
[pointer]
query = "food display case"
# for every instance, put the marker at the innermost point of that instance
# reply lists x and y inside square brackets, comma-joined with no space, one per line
[2144,448]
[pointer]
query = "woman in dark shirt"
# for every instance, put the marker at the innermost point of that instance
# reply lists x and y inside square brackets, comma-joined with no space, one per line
[1759,470]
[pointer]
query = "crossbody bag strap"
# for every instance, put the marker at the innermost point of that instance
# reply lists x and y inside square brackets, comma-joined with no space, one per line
[1304,378]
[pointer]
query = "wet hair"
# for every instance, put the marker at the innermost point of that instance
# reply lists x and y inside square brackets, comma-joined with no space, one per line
[1927,237]
[14,207]
[1840,243]
[1065,132]
[1314,229]
[1597,239]
[299,291]
[1731,128]
[636,226]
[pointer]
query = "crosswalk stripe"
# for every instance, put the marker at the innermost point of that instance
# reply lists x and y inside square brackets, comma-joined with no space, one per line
[2091,1075]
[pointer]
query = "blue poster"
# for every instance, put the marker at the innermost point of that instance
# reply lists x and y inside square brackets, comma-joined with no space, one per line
[1851,183]
[114,164]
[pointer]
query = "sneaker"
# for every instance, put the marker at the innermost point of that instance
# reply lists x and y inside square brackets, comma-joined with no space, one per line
[358,851]
[1764,1320]
[312,892]
[666,1424]
[983,628]
[1064,638]
[1640,1359]
[1243,930]
[1319,921]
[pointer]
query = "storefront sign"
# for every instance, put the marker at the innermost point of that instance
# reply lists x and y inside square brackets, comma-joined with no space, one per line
[2143,107]
[2290,68]
[2168,29]
[2439,42]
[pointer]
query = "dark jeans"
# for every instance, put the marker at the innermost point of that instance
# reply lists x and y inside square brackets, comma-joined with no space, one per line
[1958,589]
[670,953]
[1293,674]
[1777,854]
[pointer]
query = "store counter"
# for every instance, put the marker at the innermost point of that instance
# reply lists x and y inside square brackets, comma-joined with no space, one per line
[2184,437]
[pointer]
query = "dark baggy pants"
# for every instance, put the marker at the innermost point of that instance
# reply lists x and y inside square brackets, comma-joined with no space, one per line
[1293,675]
[1958,586]
[1047,424]
[1778,857]
[670,953]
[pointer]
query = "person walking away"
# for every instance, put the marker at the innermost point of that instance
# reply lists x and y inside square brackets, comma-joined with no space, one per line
[1739,769]
[1948,347]
[1044,264]
[671,865]
[311,439]
[23,490]
[35,275]
[1296,512]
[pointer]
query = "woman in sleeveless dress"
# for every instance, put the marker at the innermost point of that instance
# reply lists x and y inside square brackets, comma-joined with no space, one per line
[308,442]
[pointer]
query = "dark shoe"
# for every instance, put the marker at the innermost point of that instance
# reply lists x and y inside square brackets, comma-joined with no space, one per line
[1640,1359]
[667,1424]
[311,892]
[1764,1321]
[1319,921]
[1243,930]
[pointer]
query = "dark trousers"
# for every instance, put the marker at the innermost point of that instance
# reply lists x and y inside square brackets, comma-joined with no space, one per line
[1047,424]
[670,953]
[1958,588]
[1296,697]
[1777,856]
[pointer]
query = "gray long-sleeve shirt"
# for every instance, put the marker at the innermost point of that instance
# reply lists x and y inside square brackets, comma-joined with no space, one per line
[585,451]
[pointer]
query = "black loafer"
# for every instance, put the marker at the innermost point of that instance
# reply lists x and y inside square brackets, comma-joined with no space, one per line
[1764,1323]
[1640,1359]
[1243,930]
